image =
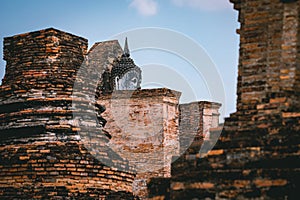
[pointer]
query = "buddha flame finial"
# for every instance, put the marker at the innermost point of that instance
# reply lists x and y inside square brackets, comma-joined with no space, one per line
[126,51]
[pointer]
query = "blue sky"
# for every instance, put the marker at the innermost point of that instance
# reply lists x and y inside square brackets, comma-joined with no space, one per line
[211,24]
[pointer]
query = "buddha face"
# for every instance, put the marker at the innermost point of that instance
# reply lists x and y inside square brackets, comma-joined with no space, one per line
[130,81]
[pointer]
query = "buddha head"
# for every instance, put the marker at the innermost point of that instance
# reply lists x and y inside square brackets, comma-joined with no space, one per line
[125,75]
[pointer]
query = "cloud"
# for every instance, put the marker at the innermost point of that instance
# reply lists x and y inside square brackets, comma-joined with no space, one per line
[209,5]
[145,7]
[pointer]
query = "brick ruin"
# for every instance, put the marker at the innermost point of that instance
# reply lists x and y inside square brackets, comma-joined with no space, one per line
[48,127]
[42,155]
[257,154]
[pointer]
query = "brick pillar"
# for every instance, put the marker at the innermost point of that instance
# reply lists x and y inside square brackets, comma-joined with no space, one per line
[144,129]
[253,154]
[268,72]
[195,121]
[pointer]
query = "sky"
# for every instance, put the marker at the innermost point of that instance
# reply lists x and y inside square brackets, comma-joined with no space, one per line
[193,25]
